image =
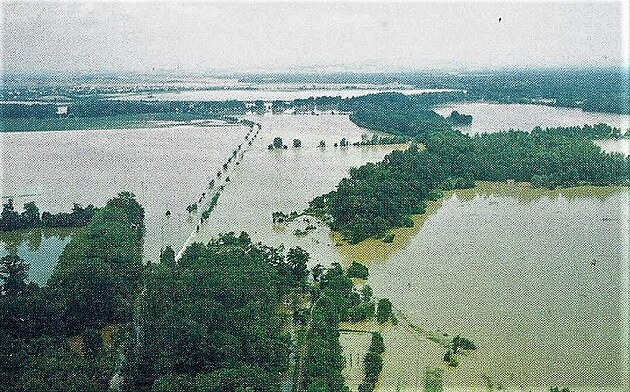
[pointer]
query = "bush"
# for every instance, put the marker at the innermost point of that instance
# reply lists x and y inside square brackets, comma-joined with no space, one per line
[383,310]
[377,344]
[357,270]
[389,238]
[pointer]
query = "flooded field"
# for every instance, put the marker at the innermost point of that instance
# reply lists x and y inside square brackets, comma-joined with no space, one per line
[166,168]
[261,93]
[493,117]
[286,180]
[537,279]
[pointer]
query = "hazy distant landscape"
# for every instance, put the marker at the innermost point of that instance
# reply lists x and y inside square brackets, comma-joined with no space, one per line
[396,212]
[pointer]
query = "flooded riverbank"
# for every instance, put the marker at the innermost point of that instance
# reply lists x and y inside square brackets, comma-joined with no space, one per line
[494,117]
[538,279]
[166,168]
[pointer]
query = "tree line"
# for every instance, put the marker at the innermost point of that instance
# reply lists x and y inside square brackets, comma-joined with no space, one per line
[53,337]
[210,322]
[379,196]
[30,218]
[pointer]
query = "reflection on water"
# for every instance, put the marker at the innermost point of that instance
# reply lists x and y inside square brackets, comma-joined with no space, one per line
[40,248]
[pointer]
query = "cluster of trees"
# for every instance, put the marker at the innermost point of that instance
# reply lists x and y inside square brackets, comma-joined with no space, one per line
[456,118]
[458,344]
[277,143]
[357,270]
[335,299]
[210,322]
[93,286]
[380,140]
[372,363]
[379,196]
[324,360]
[213,203]
[30,217]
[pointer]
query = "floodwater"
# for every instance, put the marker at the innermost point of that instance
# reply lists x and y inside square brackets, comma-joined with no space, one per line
[41,247]
[266,95]
[494,117]
[286,180]
[169,168]
[621,146]
[166,168]
[537,279]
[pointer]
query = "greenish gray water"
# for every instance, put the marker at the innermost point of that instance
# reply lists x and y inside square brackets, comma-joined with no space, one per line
[40,248]
[166,168]
[493,117]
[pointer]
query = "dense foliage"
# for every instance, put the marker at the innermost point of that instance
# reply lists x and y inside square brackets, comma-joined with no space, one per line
[372,363]
[92,287]
[324,359]
[98,274]
[211,321]
[456,118]
[379,196]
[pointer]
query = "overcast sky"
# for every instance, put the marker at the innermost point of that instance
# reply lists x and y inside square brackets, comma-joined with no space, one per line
[279,36]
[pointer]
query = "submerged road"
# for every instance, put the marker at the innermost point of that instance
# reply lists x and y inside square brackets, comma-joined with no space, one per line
[219,183]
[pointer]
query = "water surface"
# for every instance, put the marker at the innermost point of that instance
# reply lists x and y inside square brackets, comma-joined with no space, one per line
[166,168]
[538,281]
[40,248]
[494,117]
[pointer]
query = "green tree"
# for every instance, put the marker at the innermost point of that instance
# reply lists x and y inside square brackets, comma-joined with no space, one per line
[9,218]
[13,273]
[277,142]
[92,342]
[297,259]
[30,216]
[167,257]
[357,270]
[383,310]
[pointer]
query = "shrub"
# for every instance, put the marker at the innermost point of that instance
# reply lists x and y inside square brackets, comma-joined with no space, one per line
[357,270]
[383,310]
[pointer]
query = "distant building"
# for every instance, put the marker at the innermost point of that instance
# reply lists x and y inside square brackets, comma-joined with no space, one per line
[62,111]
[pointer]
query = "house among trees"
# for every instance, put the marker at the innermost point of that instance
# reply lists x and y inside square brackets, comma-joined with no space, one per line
[62,111]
